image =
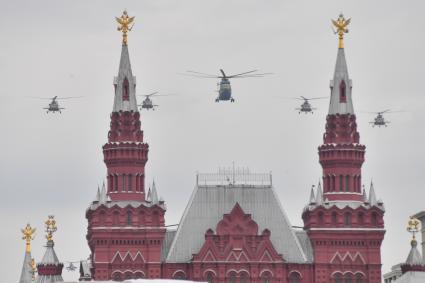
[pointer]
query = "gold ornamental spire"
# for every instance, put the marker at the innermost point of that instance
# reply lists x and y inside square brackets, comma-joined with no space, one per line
[28,235]
[51,228]
[413,227]
[33,267]
[341,27]
[124,25]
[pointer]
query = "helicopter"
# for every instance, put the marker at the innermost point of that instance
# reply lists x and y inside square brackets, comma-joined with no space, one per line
[54,104]
[71,266]
[306,106]
[379,120]
[147,102]
[225,90]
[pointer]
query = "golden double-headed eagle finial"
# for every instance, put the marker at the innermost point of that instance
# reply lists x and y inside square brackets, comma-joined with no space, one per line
[51,228]
[28,235]
[413,226]
[124,25]
[341,27]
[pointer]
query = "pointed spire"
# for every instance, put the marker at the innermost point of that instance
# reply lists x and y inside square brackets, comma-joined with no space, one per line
[125,85]
[319,195]
[341,102]
[414,257]
[97,194]
[365,195]
[154,195]
[149,195]
[103,195]
[27,272]
[312,196]
[372,195]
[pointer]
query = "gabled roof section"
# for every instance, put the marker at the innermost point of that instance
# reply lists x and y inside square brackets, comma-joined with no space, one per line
[209,203]
[125,85]
[341,102]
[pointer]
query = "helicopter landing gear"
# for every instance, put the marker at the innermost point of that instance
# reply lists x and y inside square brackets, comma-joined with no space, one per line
[232,99]
[217,100]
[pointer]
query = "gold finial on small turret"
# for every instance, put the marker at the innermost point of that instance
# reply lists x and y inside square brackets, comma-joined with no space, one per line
[413,227]
[50,227]
[124,27]
[341,27]
[28,235]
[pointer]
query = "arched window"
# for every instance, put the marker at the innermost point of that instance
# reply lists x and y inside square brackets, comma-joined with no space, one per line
[294,277]
[347,219]
[141,218]
[210,277]
[128,275]
[348,278]
[137,182]
[359,278]
[374,219]
[243,278]
[117,276]
[116,218]
[129,218]
[232,278]
[138,275]
[334,218]
[340,183]
[321,220]
[338,278]
[342,94]
[333,183]
[179,275]
[266,277]
[125,90]
[116,182]
[360,218]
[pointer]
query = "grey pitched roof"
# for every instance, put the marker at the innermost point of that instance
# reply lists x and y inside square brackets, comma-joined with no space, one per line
[124,72]
[341,74]
[26,273]
[411,277]
[305,244]
[207,206]
[166,244]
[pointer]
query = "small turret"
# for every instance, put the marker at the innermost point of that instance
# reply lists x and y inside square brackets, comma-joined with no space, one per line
[50,269]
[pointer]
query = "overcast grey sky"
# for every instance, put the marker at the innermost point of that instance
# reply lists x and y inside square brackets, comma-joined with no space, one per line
[52,164]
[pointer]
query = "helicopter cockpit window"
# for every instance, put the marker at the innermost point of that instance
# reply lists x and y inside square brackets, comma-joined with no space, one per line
[342,94]
[125,90]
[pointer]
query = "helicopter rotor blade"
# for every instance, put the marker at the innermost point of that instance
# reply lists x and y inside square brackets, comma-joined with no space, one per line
[222,72]
[150,94]
[69,97]
[204,74]
[240,74]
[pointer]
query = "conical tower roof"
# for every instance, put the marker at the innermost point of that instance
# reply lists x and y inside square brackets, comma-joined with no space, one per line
[125,85]
[414,257]
[26,273]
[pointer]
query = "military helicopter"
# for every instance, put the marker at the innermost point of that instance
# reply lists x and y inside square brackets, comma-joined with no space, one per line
[225,91]
[54,104]
[306,106]
[147,103]
[71,266]
[379,120]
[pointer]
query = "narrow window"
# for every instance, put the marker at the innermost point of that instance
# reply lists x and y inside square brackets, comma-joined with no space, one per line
[340,183]
[374,219]
[232,278]
[130,179]
[333,183]
[338,278]
[137,182]
[123,182]
[347,219]
[210,277]
[360,218]
[116,182]
[243,278]
[359,278]
[321,221]
[342,94]
[125,90]
[347,183]
[334,219]
[116,218]
[129,218]
[348,278]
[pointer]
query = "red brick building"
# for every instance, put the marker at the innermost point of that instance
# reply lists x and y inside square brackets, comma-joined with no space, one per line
[234,228]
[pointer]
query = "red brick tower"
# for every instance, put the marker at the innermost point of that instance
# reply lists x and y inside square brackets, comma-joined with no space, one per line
[125,230]
[345,227]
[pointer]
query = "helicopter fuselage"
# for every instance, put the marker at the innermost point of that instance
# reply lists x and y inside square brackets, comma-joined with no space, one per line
[379,121]
[305,108]
[148,104]
[54,107]
[225,91]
